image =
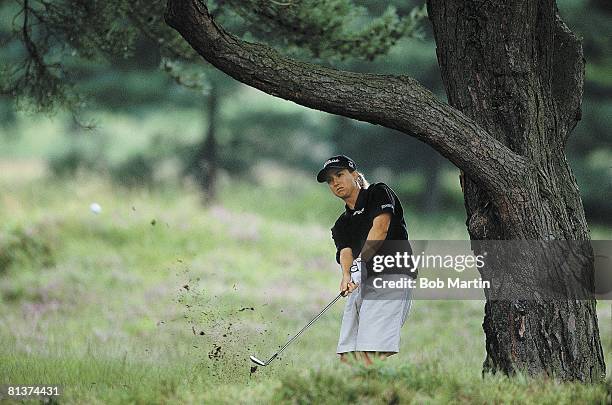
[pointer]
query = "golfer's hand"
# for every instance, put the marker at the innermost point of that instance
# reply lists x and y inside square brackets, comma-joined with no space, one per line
[346,285]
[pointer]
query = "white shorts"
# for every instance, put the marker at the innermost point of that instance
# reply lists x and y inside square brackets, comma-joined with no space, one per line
[372,325]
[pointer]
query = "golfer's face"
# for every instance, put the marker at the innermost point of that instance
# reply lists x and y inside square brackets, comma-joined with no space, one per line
[341,182]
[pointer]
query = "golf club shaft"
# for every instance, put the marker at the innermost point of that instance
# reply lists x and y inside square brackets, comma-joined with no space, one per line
[306,327]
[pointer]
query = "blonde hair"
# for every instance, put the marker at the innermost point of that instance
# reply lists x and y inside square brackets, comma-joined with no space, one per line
[361,180]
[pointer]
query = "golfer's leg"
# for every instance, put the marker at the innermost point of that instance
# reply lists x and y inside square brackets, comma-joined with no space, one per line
[380,355]
[368,357]
[348,357]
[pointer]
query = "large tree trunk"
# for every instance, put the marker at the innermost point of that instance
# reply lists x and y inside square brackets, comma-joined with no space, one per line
[513,74]
[518,71]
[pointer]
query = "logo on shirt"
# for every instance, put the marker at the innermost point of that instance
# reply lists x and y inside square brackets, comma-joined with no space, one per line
[382,207]
[358,212]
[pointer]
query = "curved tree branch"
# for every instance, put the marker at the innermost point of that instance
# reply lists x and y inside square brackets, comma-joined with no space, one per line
[397,102]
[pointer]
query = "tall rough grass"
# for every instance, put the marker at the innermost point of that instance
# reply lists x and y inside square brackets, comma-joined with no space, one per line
[159,300]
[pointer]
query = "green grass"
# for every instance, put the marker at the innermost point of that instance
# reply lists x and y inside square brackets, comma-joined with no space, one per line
[426,383]
[115,314]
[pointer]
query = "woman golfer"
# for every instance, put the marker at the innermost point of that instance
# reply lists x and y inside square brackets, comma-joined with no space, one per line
[370,326]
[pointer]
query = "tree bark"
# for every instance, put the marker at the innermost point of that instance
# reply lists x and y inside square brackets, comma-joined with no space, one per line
[513,74]
[517,70]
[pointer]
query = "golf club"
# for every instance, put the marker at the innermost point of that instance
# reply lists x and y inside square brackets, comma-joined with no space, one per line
[265,363]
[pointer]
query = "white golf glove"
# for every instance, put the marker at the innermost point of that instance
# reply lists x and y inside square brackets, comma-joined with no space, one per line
[356,271]
[356,266]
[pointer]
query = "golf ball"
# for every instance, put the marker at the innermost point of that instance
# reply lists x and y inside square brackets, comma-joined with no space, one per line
[95,208]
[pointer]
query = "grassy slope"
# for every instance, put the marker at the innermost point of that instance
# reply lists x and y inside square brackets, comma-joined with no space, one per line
[115,310]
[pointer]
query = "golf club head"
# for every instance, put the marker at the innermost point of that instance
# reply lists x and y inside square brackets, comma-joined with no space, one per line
[257,361]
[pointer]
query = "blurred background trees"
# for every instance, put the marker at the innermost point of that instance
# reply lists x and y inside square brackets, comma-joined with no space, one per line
[160,114]
[590,147]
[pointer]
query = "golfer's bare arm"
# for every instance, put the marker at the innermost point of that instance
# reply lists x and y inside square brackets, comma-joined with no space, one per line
[376,235]
[346,261]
